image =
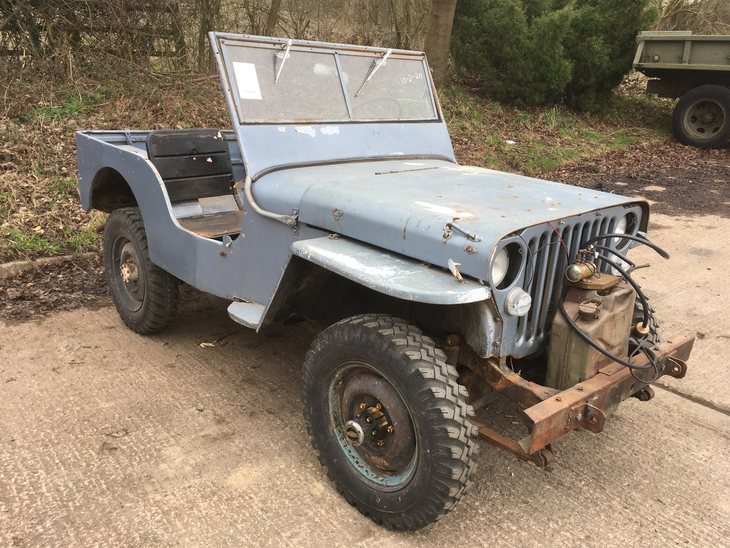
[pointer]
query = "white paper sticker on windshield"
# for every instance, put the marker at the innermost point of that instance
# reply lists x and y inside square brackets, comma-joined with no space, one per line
[246,81]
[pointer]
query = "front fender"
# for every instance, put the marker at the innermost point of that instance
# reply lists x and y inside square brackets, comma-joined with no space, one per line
[389,273]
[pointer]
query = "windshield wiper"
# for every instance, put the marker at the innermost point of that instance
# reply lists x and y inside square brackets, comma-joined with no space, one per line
[286,56]
[373,69]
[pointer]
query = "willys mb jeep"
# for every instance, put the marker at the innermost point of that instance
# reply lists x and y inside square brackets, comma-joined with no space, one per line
[337,198]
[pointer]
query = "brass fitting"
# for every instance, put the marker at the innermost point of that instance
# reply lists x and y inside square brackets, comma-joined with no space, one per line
[641,330]
[580,271]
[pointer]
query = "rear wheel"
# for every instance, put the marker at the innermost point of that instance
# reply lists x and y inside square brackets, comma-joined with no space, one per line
[145,295]
[702,117]
[388,420]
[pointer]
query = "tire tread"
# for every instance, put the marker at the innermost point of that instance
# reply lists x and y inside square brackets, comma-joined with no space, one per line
[440,397]
[162,288]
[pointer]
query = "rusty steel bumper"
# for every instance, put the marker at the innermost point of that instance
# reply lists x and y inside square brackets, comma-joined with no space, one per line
[587,404]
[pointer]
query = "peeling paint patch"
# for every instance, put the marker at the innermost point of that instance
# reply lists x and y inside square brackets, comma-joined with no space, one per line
[450,211]
[306,130]
[330,130]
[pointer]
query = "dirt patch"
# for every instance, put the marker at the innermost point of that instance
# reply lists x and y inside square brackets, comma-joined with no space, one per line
[69,284]
[681,180]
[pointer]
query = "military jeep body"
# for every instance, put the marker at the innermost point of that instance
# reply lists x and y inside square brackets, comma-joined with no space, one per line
[336,197]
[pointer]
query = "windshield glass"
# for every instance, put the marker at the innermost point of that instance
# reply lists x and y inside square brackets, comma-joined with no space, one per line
[399,89]
[273,84]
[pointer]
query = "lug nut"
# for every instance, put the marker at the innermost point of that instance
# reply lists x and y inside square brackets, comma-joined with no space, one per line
[363,405]
[390,429]
[380,443]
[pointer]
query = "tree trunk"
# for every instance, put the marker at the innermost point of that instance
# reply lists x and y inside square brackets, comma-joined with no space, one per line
[273,18]
[438,38]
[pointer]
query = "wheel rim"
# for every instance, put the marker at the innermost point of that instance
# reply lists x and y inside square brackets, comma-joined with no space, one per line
[372,425]
[128,273]
[704,119]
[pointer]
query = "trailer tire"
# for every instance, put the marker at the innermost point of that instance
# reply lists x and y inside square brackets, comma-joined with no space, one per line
[144,295]
[380,364]
[702,117]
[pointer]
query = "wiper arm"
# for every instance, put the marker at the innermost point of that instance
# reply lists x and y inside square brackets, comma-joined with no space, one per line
[286,56]
[373,69]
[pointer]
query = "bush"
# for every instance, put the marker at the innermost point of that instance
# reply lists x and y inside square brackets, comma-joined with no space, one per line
[515,56]
[601,45]
[533,52]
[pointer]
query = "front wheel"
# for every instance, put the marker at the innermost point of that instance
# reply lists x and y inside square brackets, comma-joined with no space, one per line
[388,420]
[145,295]
[702,117]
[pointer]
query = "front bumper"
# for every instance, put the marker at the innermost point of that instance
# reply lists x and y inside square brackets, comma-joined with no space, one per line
[587,404]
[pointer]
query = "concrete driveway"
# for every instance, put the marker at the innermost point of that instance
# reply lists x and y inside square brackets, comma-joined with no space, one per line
[108,438]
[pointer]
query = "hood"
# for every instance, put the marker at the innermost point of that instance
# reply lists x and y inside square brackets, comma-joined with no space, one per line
[405,205]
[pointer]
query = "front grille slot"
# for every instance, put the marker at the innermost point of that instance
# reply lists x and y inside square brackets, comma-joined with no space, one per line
[545,264]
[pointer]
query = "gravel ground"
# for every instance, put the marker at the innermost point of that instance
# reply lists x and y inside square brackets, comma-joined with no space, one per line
[109,438]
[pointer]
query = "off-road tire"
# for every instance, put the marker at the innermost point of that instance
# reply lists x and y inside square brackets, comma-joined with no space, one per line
[161,290]
[417,369]
[717,95]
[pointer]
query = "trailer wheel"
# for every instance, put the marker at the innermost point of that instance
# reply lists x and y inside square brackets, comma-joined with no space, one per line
[145,295]
[388,420]
[702,117]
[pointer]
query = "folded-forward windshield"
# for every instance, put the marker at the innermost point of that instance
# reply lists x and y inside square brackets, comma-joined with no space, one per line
[303,83]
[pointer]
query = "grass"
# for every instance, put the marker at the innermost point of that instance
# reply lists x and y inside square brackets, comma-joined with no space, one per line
[25,243]
[65,186]
[85,239]
[540,140]
[71,104]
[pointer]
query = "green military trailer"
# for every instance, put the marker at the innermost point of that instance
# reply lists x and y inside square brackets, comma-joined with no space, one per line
[695,69]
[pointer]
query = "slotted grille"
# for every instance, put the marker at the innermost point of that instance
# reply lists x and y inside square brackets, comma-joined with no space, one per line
[546,262]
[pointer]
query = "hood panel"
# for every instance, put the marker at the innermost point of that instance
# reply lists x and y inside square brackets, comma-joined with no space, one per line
[404,205]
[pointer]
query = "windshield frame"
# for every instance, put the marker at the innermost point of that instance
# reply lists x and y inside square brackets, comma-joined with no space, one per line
[220,43]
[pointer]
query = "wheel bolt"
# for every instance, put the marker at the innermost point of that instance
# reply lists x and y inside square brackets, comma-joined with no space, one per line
[363,405]
[390,429]
[380,443]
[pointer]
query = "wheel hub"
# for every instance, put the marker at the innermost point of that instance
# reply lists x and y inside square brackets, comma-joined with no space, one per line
[355,432]
[370,425]
[374,425]
[128,271]
[704,119]
[128,274]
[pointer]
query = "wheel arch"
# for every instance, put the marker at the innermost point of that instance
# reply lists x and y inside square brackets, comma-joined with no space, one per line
[314,291]
[110,191]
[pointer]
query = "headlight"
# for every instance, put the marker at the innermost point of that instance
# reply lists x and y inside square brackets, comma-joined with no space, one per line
[620,229]
[625,225]
[500,266]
